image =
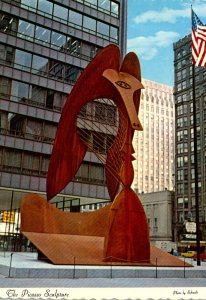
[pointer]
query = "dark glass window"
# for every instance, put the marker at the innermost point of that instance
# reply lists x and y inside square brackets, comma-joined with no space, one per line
[104,4]
[42,34]
[19,90]
[39,65]
[26,30]
[89,23]
[57,39]
[5,87]
[30,4]
[60,13]
[114,33]
[75,18]
[45,6]
[6,54]
[22,60]
[114,8]
[7,23]
[103,28]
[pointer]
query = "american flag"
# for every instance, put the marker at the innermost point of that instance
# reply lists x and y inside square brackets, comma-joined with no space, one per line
[198,41]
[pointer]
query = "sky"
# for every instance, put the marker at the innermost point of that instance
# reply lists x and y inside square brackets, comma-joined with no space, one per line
[153,27]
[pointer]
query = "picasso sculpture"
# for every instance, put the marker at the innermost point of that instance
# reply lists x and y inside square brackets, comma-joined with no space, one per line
[122,225]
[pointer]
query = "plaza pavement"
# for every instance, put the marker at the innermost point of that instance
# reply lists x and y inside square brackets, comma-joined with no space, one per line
[24,271]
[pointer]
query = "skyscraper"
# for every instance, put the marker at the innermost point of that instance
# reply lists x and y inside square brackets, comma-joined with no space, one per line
[185,163]
[154,146]
[44,47]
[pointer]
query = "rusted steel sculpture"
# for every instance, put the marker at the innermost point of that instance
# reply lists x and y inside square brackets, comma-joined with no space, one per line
[125,234]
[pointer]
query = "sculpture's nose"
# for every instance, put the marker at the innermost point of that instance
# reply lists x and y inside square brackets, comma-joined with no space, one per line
[126,85]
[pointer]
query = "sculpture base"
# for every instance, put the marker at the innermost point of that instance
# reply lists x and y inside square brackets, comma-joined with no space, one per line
[62,249]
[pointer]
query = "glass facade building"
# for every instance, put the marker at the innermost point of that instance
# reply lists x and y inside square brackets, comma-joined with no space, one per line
[44,47]
[184,209]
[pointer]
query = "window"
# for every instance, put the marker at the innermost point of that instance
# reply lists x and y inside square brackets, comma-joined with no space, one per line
[180,174]
[38,95]
[12,160]
[44,165]
[83,172]
[60,13]
[42,34]
[114,8]
[7,23]
[192,188]
[76,18]
[39,65]
[91,173]
[19,90]
[5,87]
[22,60]
[89,23]
[45,6]
[6,54]
[97,173]
[58,39]
[91,2]
[30,4]
[105,113]
[185,202]
[114,33]
[180,188]
[26,30]
[104,4]
[30,163]
[102,28]
[49,132]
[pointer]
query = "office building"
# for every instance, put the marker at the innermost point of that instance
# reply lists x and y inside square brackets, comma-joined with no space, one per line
[154,146]
[185,162]
[44,47]
[158,207]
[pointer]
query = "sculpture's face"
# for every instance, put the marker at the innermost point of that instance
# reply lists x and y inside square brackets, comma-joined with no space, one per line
[126,86]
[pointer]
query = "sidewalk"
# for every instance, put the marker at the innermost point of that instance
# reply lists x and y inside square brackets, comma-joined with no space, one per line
[82,281]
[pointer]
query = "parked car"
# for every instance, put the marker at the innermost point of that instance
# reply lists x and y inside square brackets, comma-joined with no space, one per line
[188,253]
[175,252]
[202,256]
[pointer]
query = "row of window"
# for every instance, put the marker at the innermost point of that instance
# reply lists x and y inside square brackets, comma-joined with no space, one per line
[156,101]
[182,188]
[45,36]
[27,93]
[104,5]
[35,164]
[184,97]
[185,121]
[183,134]
[183,51]
[188,215]
[57,11]
[183,160]
[38,65]
[102,110]
[182,174]
[187,72]
[18,125]
[63,43]
[44,131]
[183,63]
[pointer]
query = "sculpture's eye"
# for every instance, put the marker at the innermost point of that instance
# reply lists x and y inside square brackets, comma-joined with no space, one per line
[123,84]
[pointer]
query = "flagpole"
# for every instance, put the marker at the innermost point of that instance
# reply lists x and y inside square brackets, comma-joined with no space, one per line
[195,157]
[196,169]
